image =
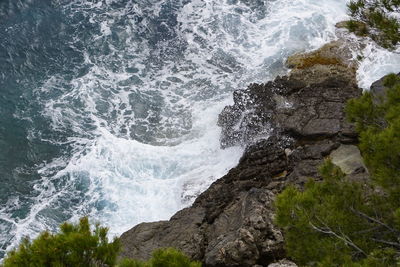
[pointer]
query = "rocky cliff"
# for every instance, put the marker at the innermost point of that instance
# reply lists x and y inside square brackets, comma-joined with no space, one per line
[288,126]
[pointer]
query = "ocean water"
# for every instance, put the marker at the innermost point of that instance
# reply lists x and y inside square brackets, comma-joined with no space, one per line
[109,108]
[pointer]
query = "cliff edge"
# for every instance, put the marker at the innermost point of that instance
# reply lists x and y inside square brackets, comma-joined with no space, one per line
[288,126]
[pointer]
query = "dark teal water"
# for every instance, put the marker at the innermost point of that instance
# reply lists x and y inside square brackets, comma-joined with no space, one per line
[34,46]
[108,108]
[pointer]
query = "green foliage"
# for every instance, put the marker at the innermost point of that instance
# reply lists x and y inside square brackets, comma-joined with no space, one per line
[171,258]
[323,214]
[376,15]
[166,257]
[338,222]
[75,245]
[359,28]
[378,123]
[132,263]
[365,114]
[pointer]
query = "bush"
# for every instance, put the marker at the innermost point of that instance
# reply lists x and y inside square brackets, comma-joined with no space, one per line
[319,223]
[338,222]
[166,257]
[75,245]
[171,258]
[374,17]
[378,124]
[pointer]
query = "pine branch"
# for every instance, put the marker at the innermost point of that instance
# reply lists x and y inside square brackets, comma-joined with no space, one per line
[361,214]
[343,238]
[393,244]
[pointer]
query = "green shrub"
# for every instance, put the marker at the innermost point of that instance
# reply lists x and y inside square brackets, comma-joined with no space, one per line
[337,222]
[170,257]
[165,257]
[378,124]
[319,223]
[132,263]
[374,17]
[75,245]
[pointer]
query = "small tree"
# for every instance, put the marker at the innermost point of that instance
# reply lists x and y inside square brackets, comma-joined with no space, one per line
[320,224]
[75,245]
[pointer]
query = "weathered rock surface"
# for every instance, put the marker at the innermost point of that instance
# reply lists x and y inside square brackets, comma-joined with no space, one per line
[283,263]
[348,159]
[231,223]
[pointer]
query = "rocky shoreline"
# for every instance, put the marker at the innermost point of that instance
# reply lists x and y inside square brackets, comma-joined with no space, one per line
[289,126]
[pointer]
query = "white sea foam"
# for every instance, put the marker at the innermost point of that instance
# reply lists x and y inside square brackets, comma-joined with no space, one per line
[143,116]
[376,63]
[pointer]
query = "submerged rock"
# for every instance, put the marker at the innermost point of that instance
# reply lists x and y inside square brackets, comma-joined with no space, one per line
[288,126]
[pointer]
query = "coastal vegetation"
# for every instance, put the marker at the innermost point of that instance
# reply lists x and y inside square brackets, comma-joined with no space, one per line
[344,222]
[83,245]
[75,245]
[377,19]
[167,257]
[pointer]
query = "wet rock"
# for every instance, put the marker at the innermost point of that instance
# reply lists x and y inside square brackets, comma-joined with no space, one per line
[307,104]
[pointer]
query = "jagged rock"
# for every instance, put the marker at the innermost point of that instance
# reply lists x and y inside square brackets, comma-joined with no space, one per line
[288,126]
[230,224]
[182,231]
[244,232]
[308,103]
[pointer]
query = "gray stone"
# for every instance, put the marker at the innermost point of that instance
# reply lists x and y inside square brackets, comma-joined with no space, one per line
[348,159]
[283,263]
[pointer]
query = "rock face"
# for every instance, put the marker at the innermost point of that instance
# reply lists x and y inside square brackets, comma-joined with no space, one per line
[289,126]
